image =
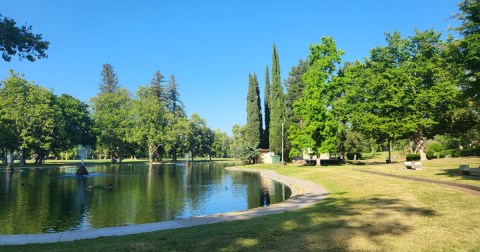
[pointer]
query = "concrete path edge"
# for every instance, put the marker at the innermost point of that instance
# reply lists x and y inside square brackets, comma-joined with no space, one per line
[304,193]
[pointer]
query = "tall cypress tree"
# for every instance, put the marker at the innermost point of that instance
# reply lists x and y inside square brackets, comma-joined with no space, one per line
[254,113]
[277,106]
[266,105]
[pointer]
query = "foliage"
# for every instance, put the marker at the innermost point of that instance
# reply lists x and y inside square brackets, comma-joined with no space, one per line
[413,157]
[317,129]
[221,144]
[277,106]
[149,119]
[246,153]
[30,116]
[467,51]
[404,90]
[200,138]
[174,104]
[254,112]
[20,41]
[295,86]
[78,125]
[109,81]
[112,121]
[266,107]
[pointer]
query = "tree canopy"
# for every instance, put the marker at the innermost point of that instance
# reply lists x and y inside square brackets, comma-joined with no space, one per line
[20,41]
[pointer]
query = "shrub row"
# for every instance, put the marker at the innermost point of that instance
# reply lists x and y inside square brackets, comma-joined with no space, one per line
[452,153]
[413,157]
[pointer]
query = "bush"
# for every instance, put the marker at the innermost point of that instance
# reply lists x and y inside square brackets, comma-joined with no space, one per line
[470,152]
[413,157]
[452,153]
[431,154]
[352,155]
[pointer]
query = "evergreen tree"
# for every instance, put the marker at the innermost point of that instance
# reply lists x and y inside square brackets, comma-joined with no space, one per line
[266,105]
[177,123]
[156,86]
[295,86]
[109,81]
[173,98]
[277,106]
[254,112]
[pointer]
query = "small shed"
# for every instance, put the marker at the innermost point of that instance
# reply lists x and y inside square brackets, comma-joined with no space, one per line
[266,157]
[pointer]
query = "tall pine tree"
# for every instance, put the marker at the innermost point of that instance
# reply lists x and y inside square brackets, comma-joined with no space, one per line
[109,81]
[277,106]
[254,113]
[266,105]
[156,88]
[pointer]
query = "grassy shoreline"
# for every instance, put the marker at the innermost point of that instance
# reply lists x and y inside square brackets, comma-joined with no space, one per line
[363,212]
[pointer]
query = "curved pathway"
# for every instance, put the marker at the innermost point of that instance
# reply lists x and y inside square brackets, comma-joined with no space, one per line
[475,190]
[304,193]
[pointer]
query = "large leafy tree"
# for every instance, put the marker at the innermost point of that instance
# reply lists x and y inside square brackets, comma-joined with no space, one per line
[277,106]
[111,110]
[29,115]
[200,137]
[149,120]
[240,149]
[221,144]
[469,47]
[112,121]
[20,40]
[404,90]
[254,112]
[77,126]
[317,127]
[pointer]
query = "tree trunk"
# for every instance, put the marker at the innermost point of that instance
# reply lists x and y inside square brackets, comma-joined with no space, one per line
[22,157]
[175,153]
[420,145]
[389,160]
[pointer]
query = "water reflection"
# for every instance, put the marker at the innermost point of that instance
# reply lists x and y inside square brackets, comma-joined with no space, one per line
[54,199]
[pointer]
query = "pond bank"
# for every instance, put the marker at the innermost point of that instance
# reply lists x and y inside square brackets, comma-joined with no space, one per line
[304,193]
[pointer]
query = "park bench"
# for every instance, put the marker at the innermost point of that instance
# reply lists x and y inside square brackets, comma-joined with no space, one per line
[466,170]
[413,165]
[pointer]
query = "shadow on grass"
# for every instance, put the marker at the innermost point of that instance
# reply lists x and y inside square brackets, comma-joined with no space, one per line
[329,225]
[455,172]
[334,224]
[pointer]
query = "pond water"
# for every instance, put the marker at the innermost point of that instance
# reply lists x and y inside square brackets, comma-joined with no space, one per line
[47,200]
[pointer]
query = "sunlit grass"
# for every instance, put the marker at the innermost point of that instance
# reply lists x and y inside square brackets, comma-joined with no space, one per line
[363,212]
[445,169]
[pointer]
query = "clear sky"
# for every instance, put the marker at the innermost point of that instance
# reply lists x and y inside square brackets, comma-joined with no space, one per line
[210,46]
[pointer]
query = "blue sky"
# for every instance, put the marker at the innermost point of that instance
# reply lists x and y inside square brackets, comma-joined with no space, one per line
[210,46]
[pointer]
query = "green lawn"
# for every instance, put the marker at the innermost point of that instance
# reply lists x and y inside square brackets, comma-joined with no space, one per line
[364,212]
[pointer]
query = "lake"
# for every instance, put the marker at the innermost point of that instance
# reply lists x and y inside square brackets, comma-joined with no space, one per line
[52,199]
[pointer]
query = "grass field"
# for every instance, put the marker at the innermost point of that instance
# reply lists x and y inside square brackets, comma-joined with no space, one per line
[363,212]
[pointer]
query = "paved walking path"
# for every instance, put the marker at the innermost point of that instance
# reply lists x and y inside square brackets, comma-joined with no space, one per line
[304,193]
[475,190]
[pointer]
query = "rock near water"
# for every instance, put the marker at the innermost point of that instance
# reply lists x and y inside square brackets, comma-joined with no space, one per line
[81,171]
